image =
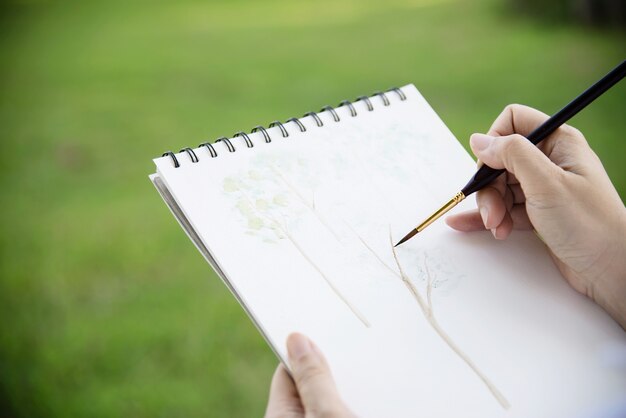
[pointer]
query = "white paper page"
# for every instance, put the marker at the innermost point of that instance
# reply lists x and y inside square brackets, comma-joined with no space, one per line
[301,228]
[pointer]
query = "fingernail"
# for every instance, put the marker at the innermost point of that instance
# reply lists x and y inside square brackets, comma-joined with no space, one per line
[479,142]
[484,213]
[298,346]
[493,231]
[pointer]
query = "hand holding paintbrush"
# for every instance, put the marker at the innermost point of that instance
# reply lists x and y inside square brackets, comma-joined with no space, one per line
[486,174]
[540,174]
[561,190]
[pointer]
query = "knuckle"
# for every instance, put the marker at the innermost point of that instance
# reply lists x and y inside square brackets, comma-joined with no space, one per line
[512,144]
[571,131]
[513,149]
[515,144]
[512,107]
[518,140]
[574,135]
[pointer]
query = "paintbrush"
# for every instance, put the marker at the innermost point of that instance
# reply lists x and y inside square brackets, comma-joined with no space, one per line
[486,175]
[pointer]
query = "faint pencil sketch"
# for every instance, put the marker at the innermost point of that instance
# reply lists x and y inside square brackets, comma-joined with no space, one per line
[269,217]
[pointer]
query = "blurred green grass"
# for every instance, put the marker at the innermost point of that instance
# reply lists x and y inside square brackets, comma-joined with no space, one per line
[107,309]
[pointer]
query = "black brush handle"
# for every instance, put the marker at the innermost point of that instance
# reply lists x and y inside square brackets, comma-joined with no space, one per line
[486,174]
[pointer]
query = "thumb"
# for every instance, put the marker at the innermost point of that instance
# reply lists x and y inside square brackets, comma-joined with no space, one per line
[534,170]
[314,381]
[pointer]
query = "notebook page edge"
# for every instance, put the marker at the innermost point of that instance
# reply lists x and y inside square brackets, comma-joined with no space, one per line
[184,223]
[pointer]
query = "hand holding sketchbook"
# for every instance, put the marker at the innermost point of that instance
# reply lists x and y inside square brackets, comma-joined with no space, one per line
[300,219]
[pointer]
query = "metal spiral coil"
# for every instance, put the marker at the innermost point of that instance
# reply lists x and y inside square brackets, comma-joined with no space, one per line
[246,138]
[266,136]
[297,122]
[192,155]
[383,96]
[210,147]
[368,102]
[283,129]
[349,104]
[229,145]
[332,112]
[317,119]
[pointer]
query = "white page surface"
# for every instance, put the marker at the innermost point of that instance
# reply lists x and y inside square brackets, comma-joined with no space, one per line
[301,228]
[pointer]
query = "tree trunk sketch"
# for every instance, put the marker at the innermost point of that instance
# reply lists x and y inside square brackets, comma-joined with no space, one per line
[426,306]
[427,309]
[308,203]
[328,281]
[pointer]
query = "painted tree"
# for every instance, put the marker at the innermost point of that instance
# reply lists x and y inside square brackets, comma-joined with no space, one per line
[426,306]
[271,212]
[432,280]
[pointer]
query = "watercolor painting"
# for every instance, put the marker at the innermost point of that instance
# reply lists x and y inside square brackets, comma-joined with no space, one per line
[435,273]
[274,193]
[426,306]
[271,206]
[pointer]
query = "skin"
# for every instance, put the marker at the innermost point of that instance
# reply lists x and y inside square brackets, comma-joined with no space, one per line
[561,190]
[312,392]
[558,189]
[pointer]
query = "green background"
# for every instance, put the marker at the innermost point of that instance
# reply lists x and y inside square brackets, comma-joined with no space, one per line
[106,307]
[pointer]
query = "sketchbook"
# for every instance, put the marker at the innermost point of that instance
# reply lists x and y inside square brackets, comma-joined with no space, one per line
[299,219]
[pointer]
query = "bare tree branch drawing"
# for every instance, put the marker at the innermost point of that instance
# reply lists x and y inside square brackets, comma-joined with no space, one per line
[306,202]
[371,250]
[427,309]
[426,306]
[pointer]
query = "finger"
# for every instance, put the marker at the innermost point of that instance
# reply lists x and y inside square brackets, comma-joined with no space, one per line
[499,183]
[503,230]
[466,221]
[508,199]
[313,379]
[283,400]
[520,119]
[518,193]
[511,179]
[491,206]
[520,218]
[517,119]
[536,173]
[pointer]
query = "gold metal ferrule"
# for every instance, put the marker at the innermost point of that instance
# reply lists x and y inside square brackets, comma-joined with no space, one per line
[449,205]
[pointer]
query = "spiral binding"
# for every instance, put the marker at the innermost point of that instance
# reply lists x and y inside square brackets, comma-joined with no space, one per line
[317,119]
[349,104]
[370,107]
[266,136]
[332,112]
[208,146]
[192,155]
[283,130]
[297,122]
[249,143]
